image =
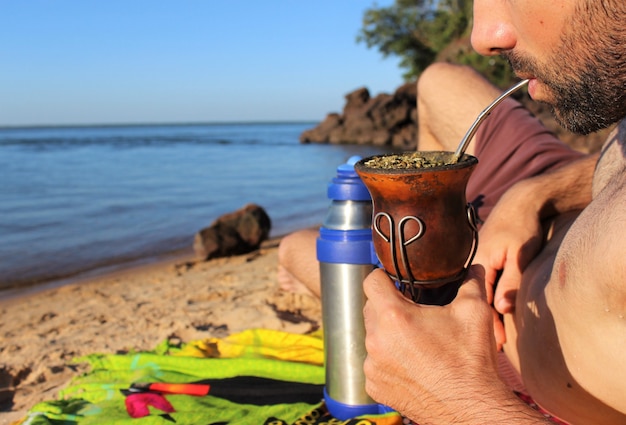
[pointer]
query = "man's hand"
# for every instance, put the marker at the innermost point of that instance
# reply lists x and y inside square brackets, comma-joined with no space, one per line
[513,234]
[509,240]
[433,364]
[429,362]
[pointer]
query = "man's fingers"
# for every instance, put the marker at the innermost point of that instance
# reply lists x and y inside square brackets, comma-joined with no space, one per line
[378,284]
[498,330]
[493,265]
[474,285]
[506,291]
[376,289]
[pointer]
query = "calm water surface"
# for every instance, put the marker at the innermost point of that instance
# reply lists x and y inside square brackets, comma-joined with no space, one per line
[80,199]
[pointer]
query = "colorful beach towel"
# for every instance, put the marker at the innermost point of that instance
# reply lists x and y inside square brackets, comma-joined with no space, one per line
[255,377]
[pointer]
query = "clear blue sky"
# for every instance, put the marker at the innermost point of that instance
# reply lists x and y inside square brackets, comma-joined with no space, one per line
[139,61]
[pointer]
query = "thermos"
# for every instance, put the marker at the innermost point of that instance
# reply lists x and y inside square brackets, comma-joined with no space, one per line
[346,256]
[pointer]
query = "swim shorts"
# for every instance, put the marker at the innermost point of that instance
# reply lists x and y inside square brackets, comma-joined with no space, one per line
[511,145]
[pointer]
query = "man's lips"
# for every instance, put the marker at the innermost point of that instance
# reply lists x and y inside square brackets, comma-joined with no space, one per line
[532,87]
[526,75]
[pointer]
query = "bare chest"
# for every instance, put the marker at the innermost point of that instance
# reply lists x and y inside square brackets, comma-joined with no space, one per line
[568,309]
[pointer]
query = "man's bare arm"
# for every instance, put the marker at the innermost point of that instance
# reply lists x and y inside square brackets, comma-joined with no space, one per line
[565,189]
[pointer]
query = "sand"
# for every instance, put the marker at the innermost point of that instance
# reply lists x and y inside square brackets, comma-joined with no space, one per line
[136,309]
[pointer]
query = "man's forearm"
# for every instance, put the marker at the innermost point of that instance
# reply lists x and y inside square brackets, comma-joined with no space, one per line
[503,407]
[565,189]
[494,406]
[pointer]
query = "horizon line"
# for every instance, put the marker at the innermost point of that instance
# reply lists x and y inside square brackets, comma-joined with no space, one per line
[164,123]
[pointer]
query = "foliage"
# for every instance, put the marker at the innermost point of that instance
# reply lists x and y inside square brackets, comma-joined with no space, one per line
[420,32]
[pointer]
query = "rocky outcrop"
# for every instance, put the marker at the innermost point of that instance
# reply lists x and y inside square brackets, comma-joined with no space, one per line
[238,232]
[383,120]
[391,120]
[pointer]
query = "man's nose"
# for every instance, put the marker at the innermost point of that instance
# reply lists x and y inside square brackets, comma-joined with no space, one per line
[493,32]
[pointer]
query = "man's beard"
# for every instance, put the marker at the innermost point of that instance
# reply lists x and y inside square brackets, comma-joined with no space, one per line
[586,96]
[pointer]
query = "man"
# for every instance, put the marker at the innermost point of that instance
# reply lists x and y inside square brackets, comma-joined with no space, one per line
[513,145]
[562,288]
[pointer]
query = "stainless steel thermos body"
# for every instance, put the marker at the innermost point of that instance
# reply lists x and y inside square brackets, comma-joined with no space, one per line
[346,256]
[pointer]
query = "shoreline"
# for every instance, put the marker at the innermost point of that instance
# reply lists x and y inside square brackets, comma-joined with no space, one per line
[21,290]
[186,254]
[135,309]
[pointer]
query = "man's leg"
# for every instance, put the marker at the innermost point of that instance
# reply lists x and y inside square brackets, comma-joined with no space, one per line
[449,99]
[298,268]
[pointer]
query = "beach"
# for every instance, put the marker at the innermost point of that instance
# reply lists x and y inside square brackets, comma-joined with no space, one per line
[178,299]
[98,224]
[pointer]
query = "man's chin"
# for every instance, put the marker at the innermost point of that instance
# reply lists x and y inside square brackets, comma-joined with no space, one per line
[569,123]
[560,120]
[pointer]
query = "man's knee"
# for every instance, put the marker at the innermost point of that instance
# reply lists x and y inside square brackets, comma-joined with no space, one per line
[442,79]
[285,249]
[297,261]
[295,246]
[436,73]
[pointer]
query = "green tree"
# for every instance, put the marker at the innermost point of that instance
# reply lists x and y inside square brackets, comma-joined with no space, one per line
[420,32]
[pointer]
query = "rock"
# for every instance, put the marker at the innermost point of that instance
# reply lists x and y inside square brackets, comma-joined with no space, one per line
[383,120]
[356,99]
[322,132]
[238,232]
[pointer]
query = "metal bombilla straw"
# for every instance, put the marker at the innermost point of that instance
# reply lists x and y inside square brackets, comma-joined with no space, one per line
[483,115]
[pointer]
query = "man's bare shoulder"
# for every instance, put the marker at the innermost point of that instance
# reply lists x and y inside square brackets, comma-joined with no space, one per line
[595,244]
[612,159]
